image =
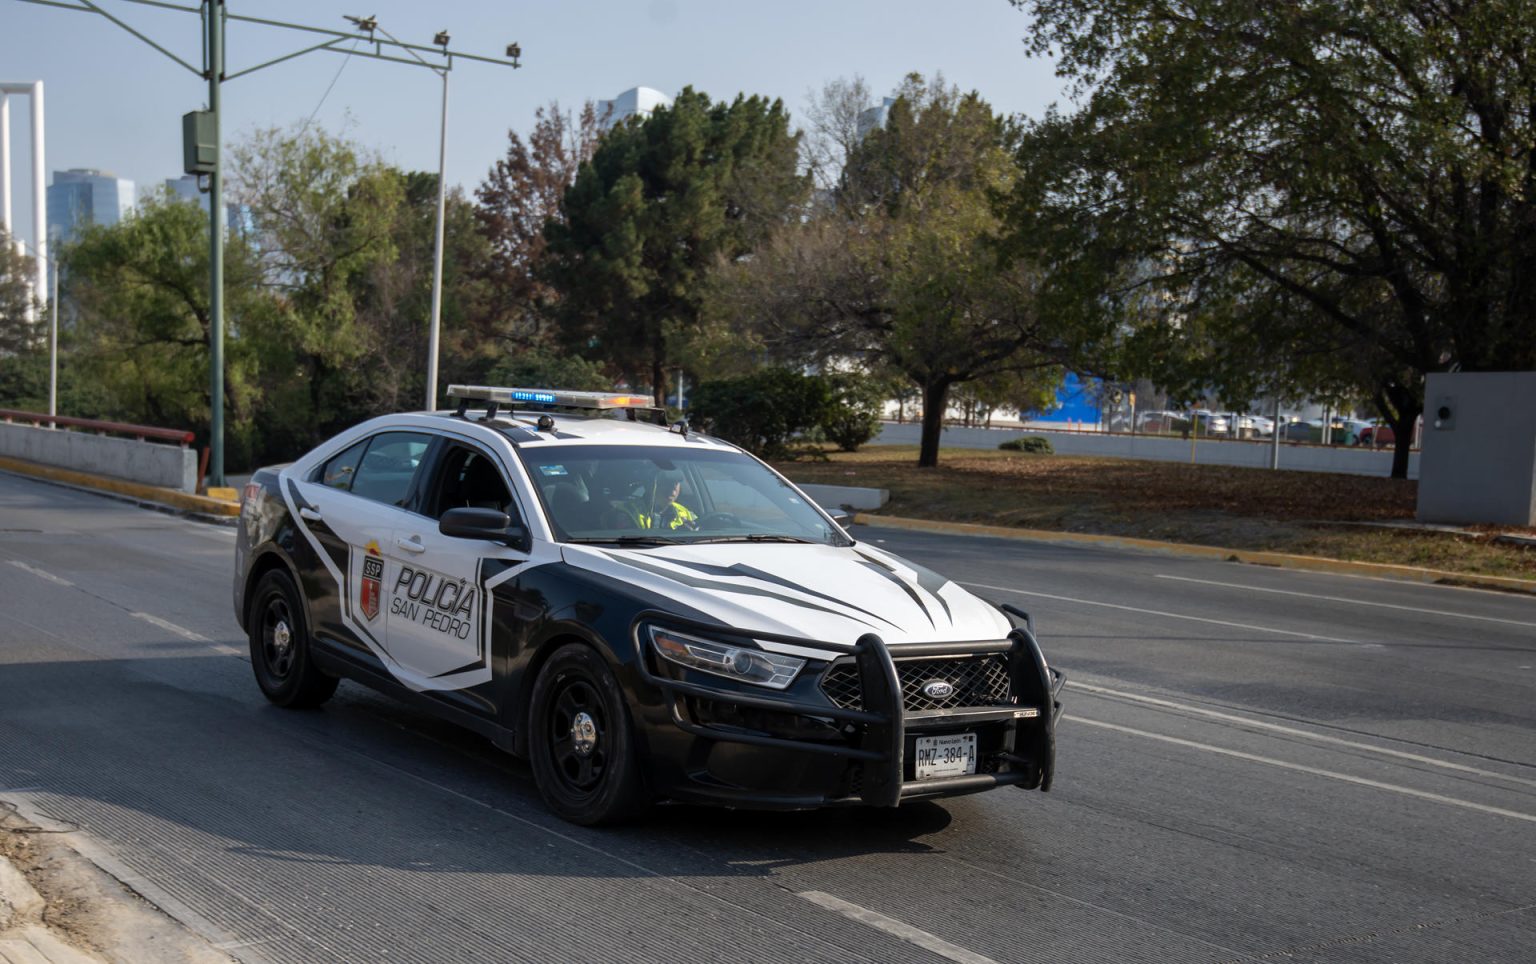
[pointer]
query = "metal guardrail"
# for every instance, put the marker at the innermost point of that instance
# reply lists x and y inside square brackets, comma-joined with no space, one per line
[139,432]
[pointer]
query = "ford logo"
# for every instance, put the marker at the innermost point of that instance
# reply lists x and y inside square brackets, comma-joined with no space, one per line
[937,690]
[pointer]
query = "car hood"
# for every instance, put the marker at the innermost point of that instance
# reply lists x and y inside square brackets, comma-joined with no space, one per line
[813,592]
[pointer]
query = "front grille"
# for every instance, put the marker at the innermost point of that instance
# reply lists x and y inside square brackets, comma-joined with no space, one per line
[977,681]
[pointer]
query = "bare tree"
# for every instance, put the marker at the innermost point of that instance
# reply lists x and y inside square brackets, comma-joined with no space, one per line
[832,128]
[521,192]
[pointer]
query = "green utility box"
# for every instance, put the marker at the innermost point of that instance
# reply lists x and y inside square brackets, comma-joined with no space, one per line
[199,142]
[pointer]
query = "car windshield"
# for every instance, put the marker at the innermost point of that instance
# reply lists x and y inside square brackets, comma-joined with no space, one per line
[639,495]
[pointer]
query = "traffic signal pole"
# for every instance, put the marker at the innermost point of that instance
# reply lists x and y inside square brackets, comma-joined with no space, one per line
[213,21]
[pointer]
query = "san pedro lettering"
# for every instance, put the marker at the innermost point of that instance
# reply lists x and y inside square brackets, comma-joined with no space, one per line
[435,601]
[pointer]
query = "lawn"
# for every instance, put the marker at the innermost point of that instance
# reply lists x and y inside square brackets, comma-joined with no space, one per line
[1309,513]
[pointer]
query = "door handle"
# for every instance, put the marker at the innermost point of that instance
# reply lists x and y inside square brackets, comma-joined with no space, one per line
[305,512]
[413,544]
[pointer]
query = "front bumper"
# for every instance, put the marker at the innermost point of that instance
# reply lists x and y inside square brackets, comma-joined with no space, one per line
[751,747]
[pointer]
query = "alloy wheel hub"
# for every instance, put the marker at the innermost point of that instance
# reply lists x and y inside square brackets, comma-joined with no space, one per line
[584,733]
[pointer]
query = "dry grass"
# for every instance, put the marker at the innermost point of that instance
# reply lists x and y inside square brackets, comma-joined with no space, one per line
[1239,508]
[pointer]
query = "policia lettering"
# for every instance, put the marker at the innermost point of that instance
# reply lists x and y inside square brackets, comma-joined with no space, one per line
[434,601]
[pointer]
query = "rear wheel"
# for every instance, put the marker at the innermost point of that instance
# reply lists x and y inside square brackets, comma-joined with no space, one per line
[280,652]
[581,741]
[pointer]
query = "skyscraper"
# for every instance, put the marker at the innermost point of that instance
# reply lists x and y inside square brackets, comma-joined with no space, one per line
[80,197]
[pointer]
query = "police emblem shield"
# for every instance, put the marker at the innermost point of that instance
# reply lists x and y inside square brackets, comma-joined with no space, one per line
[370,585]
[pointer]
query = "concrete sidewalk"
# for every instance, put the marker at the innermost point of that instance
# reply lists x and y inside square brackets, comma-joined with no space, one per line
[149,496]
[57,907]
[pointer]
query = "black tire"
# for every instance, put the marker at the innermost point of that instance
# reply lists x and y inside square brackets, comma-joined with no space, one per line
[280,654]
[581,741]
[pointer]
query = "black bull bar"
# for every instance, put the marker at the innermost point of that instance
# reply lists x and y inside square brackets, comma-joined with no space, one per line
[882,724]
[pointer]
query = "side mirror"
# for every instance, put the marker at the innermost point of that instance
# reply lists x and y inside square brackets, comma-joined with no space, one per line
[842,517]
[488,524]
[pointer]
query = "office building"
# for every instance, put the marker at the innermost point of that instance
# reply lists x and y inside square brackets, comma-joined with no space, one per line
[81,197]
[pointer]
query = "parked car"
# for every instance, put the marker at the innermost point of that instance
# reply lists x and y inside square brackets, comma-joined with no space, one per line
[1161,421]
[1377,436]
[1299,430]
[1210,423]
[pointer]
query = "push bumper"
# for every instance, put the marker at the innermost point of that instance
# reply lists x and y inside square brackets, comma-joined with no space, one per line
[868,744]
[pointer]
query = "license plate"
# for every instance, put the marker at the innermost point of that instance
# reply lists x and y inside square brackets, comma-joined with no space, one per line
[953,755]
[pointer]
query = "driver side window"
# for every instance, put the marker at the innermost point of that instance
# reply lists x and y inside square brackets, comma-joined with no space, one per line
[468,479]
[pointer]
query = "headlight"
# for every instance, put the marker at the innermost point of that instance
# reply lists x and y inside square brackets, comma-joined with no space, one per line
[733,662]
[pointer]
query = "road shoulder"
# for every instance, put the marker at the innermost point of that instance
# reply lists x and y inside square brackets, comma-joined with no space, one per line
[58,906]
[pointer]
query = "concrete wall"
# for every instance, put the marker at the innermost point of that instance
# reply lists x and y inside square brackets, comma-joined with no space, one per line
[1160,448]
[167,466]
[846,496]
[1479,448]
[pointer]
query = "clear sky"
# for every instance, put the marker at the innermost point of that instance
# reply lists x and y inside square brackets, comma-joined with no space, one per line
[116,104]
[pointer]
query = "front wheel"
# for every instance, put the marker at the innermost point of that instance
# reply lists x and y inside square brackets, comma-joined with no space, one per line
[280,654]
[581,741]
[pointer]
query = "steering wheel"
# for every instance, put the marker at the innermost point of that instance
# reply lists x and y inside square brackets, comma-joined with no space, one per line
[721,520]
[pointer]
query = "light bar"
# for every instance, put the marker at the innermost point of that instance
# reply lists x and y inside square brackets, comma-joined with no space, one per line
[544,396]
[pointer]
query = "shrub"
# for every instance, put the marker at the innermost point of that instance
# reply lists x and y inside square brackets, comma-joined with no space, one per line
[1033,444]
[853,415]
[762,411]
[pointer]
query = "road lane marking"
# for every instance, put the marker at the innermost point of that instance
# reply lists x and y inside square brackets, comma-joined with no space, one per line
[169,626]
[41,573]
[1315,771]
[186,633]
[1158,612]
[895,928]
[1352,602]
[1293,731]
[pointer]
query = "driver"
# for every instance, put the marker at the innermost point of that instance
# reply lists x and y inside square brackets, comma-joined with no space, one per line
[658,508]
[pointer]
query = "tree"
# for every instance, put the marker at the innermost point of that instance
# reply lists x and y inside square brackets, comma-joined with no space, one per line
[519,195]
[143,321]
[661,199]
[21,330]
[325,214]
[833,129]
[903,273]
[392,299]
[1348,187]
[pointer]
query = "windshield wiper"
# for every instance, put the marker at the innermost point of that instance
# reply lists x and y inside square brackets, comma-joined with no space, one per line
[758,537]
[627,541]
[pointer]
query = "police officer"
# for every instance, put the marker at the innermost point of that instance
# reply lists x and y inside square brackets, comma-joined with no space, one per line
[658,507]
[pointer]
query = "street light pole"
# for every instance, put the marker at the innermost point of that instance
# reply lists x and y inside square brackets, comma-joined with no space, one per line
[437,252]
[213,17]
[53,345]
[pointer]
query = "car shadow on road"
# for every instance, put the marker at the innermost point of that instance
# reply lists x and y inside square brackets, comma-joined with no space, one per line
[169,774]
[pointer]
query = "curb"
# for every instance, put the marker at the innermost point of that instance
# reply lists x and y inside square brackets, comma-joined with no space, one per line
[150,496]
[1281,560]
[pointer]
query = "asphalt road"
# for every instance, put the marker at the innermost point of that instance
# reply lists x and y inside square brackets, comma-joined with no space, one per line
[1255,764]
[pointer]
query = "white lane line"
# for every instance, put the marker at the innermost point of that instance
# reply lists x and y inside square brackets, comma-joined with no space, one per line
[186,633]
[1293,731]
[1158,612]
[40,573]
[1352,602]
[169,626]
[1315,771]
[895,928]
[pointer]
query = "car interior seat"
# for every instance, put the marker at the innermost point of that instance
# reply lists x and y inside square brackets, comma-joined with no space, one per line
[480,487]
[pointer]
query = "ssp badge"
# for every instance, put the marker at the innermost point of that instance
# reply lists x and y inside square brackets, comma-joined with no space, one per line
[369,587]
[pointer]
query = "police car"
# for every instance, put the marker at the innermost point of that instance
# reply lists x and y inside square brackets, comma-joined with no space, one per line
[643,612]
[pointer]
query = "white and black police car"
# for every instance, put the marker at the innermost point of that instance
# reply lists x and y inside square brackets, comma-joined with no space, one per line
[643,612]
